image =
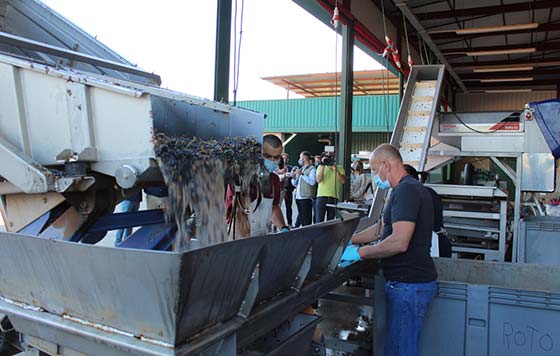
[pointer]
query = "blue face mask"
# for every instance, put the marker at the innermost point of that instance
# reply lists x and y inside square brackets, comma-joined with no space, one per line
[300,162]
[380,183]
[270,165]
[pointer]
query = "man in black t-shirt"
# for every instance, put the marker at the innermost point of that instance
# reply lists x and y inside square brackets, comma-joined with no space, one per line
[444,246]
[404,250]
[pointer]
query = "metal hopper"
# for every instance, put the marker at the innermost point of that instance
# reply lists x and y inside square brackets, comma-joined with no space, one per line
[106,124]
[163,297]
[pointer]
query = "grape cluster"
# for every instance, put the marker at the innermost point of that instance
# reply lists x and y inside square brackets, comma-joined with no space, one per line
[196,172]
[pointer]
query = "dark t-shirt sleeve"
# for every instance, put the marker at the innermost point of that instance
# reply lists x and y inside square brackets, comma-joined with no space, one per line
[275,180]
[405,204]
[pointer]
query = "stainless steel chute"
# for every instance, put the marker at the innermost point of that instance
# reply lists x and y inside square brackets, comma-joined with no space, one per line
[169,297]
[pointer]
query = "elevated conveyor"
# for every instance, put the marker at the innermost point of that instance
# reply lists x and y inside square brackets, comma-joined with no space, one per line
[413,130]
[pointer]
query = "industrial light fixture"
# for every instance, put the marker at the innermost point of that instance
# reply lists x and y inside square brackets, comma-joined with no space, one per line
[502,69]
[499,80]
[489,29]
[536,64]
[490,91]
[498,52]
[523,26]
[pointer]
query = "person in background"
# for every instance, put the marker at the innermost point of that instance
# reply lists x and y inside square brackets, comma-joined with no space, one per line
[444,246]
[130,205]
[359,182]
[265,210]
[330,179]
[286,179]
[404,251]
[317,160]
[305,182]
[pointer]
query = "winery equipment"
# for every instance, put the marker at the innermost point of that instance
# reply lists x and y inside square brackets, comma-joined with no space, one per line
[76,137]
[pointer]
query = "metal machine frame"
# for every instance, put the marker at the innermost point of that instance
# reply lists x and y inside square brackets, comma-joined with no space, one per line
[527,145]
[484,193]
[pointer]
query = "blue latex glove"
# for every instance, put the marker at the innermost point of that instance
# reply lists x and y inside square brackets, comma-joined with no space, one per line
[351,254]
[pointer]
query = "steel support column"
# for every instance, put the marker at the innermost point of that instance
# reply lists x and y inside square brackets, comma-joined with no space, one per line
[346,96]
[221,63]
[517,207]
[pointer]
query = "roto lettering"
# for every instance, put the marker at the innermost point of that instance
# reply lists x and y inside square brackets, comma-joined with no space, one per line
[528,337]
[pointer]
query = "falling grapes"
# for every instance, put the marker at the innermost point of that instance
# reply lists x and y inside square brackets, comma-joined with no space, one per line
[196,172]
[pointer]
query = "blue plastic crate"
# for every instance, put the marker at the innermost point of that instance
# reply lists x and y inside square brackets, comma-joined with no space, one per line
[487,308]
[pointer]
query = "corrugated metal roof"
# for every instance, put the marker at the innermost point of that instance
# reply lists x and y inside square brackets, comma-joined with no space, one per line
[375,113]
[366,82]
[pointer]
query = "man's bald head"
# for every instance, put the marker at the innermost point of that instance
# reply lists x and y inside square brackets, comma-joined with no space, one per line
[386,163]
[386,152]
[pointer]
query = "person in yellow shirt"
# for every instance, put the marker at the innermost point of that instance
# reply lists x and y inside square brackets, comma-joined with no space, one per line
[330,179]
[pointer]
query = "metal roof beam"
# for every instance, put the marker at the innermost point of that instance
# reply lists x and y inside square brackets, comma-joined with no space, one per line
[538,47]
[401,4]
[537,73]
[537,62]
[292,84]
[314,82]
[460,37]
[532,83]
[332,84]
[489,10]
[396,20]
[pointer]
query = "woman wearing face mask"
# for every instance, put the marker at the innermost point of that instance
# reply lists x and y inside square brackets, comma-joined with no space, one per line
[359,182]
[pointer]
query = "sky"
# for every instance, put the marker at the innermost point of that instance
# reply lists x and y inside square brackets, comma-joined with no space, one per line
[175,39]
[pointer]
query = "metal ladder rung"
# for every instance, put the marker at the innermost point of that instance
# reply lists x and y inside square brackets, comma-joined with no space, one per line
[414,128]
[426,84]
[422,98]
[408,146]
[418,113]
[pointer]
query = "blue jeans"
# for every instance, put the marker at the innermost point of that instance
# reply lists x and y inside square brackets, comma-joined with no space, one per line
[127,206]
[321,208]
[407,304]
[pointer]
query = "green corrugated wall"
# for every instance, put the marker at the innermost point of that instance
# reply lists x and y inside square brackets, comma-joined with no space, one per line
[368,141]
[361,141]
[370,113]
